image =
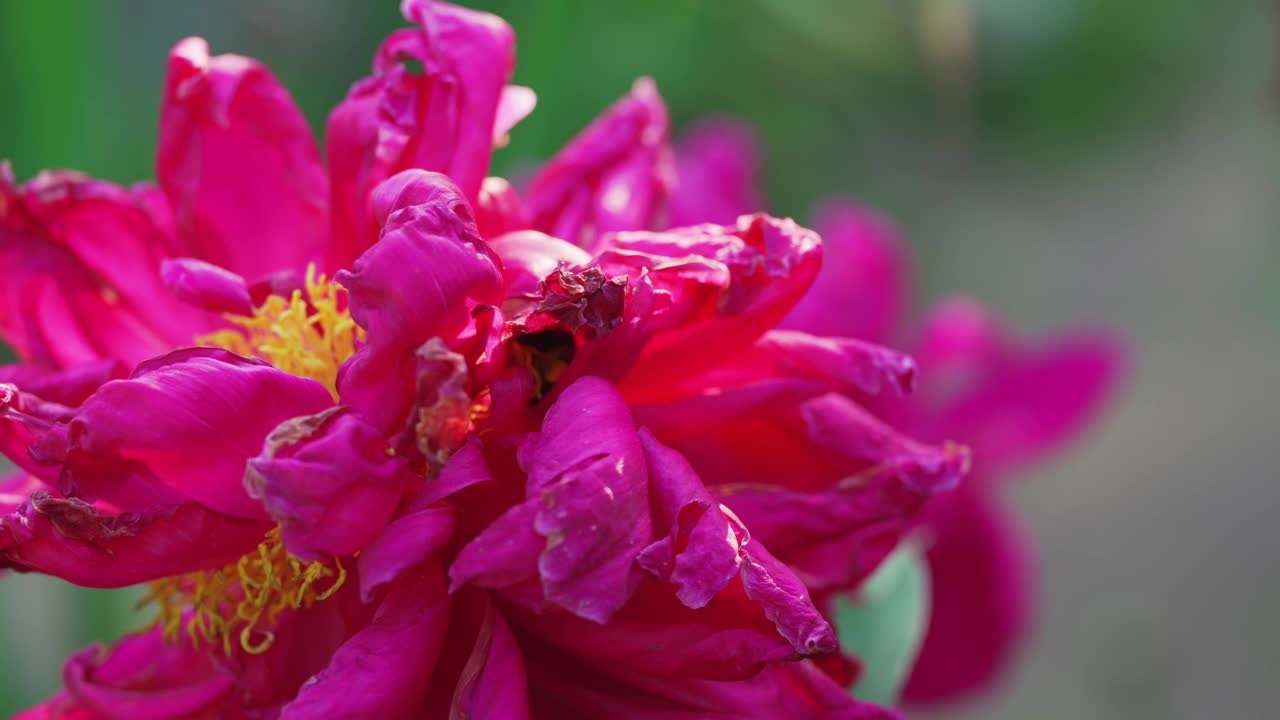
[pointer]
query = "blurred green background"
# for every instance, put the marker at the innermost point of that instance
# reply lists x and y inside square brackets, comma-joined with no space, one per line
[1067,160]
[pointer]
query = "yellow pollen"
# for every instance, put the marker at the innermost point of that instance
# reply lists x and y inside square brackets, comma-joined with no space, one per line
[310,334]
[215,606]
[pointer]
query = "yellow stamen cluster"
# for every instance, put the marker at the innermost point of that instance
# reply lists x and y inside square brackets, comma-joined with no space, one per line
[217,605]
[309,334]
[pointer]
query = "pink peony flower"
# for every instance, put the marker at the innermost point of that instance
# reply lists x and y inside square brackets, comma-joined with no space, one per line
[481,472]
[1008,400]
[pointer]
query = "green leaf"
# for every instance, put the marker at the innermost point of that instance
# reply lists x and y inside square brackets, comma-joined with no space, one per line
[885,624]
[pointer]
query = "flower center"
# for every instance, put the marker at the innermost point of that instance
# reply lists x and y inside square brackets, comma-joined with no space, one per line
[548,354]
[217,605]
[309,334]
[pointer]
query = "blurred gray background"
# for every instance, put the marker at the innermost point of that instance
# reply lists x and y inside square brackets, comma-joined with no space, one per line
[1069,161]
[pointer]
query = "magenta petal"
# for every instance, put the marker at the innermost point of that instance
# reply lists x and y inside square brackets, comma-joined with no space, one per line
[837,424]
[588,476]
[419,281]
[80,259]
[859,365]
[143,677]
[383,670]
[716,166]
[714,547]
[834,535]
[330,480]
[72,540]
[780,370]
[239,165]
[441,118]
[1012,402]
[615,175]
[981,579]
[960,331]
[206,286]
[191,419]
[864,266]
[425,526]
[515,105]
[492,684]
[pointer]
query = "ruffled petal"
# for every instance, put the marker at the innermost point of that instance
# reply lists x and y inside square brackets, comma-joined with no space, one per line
[330,480]
[716,165]
[722,288]
[586,517]
[615,175]
[81,261]
[73,540]
[833,539]
[239,165]
[441,116]
[31,432]
[780,370]
[142,676]
[981,582]
[865,266]
[425,526]
[587,471]
[421,280]
[825,485]
[711,546]
[667,307]
[187,421]
[528,257]
[704,550]
[381,671]
[840,426]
